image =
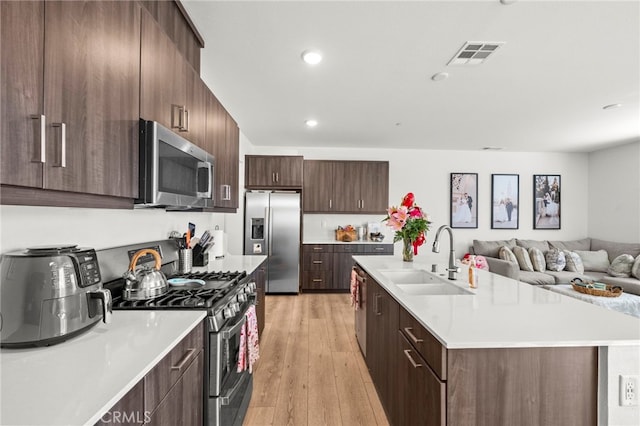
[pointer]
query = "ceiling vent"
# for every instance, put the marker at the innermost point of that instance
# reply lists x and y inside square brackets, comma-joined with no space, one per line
[475,52]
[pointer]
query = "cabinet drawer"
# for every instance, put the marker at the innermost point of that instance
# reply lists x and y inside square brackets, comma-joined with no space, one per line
[317,262]
[317,280]
[349,248]
[427,346]
[317,248]
[379,248]
[169,370]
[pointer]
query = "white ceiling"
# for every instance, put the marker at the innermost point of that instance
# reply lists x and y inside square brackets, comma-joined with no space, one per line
[544,90]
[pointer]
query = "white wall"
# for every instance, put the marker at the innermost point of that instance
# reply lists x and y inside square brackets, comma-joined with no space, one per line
[614,193]
[426,174]
[613,362]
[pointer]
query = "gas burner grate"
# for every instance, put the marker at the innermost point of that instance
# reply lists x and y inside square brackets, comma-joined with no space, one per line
[214,276]
[176,298]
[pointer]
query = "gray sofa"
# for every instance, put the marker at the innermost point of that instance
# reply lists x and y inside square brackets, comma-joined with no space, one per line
[490,249]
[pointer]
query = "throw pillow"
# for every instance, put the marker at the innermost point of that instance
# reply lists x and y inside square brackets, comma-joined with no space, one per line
[635,269]
[522,255]
[621,266]
[537,259]
[596,261]
[574,263]
[555,260]
[505,253]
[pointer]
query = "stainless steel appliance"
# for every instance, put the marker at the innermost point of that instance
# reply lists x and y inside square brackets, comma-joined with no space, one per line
[361,311]
[272,228]
[226,297]
[173,171]
[50,294]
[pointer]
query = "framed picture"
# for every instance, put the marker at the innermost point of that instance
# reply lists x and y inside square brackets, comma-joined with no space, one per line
[546,202]
[505,200]
[464,200]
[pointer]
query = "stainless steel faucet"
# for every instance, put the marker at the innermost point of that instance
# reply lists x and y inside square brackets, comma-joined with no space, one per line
[452,269]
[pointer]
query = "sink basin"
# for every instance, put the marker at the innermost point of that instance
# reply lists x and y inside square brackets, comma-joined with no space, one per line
[421,282]
[441,288]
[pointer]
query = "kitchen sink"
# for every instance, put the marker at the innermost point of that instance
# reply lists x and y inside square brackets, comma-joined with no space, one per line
[421,282]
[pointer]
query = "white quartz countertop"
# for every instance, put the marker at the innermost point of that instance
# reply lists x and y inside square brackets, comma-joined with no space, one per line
[77,381]
[234,263]
[315,241]
[503,312]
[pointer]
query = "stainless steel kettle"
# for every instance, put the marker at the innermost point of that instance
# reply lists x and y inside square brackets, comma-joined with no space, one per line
[145,282]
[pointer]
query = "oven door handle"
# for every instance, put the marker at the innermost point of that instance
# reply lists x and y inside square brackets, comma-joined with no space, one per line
[228,333]
[228,397]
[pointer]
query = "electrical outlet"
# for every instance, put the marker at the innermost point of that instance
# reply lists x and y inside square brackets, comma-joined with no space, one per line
[629,390]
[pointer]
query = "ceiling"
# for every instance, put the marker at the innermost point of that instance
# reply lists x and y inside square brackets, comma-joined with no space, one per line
[543,90]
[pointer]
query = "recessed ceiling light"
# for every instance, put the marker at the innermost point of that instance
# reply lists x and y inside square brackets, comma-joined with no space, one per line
[440,76]
[311,123]
[312,57]
[612,106]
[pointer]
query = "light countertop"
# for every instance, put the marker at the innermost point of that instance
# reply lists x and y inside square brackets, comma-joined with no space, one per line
[316,241]
[503,312]
[77,381]
[233,263]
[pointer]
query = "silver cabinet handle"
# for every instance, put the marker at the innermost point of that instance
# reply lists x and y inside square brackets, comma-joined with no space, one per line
[41,143]
[330,203]
[317,262]
[176,116]
[228,197]
[377,304]
[63,144]
[277,177]
[318,248]
[317,280]
[185,120]
[415,364]
[362,204]
[411,335]
[185,359]
[273,177]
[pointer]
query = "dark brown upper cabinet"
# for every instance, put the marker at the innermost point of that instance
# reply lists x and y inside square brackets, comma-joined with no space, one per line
[70,103]
[270,171]
[345,186]
[223,142]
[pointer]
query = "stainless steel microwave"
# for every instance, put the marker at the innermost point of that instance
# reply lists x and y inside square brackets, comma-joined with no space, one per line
[173,172]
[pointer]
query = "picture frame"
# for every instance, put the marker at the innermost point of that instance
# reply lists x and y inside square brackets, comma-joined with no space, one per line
[463,200]
[505,201]
[547,202]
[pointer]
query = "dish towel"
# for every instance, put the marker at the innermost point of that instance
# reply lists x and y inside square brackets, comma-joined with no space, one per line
[355,290]
[249,350]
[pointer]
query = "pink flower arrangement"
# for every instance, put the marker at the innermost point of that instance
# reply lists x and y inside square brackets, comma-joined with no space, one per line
[409,221]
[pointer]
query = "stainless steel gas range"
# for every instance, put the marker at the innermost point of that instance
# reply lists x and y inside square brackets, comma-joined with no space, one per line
[226,296]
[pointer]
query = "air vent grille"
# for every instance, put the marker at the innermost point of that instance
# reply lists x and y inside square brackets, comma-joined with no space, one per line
[475,52]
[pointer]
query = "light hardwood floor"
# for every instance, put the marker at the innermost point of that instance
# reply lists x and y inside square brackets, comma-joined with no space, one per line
[311,371]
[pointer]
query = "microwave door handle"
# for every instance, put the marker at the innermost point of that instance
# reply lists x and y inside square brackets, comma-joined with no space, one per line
[209,167]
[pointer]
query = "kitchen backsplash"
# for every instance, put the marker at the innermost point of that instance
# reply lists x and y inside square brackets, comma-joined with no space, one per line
[321,227]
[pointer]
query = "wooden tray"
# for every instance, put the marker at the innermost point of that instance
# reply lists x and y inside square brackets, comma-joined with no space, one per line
[610,291]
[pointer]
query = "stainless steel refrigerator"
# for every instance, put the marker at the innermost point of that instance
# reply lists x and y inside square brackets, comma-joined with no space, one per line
[272,228]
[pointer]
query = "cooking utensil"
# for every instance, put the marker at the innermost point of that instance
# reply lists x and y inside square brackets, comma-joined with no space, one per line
[145,282]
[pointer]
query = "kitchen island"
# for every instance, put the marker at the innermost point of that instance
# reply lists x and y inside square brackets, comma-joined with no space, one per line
[77,381]
[504,353]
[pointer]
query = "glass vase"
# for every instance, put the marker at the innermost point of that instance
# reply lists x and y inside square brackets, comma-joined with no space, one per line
[407,250]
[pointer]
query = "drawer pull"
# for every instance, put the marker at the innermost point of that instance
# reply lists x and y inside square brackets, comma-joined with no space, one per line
[318,248]
[379,248]
[188,355]
[317,262]
[415,364]
[411,335]
[317,280]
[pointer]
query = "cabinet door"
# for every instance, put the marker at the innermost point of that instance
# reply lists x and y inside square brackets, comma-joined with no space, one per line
[196,105]
[162,84]
[266,171]
[347,180]
[259,277]
[421,395]
[374,187]
[21,85]
[318,186]
[91,86]
[289,171]
[259,171]
[232,159]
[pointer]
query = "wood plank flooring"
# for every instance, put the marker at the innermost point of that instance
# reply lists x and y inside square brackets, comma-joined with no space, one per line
[311,371]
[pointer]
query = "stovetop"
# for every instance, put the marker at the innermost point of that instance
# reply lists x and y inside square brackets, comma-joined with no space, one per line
[191,296]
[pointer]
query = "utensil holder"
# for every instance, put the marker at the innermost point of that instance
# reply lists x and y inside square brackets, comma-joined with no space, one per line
[185,260]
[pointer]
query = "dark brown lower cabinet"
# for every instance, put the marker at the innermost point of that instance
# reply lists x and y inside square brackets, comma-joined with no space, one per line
[129,410]
[259,276]
[422,396]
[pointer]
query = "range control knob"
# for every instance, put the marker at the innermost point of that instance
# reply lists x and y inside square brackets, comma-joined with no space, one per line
[242,298]
[235,307]
[228,313]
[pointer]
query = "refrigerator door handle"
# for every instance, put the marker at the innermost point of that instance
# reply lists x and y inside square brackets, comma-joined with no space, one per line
[270,230]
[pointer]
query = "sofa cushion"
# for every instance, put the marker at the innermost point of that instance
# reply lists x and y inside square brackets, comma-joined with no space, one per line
[621,266]
[594,260]
[491,248]
[615,249]
[542,245]
[635,269]
[583,244]
[574,263]
[537,259]
[522,255]
[555,260]
[505,253]
[536,278]
[629,285]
